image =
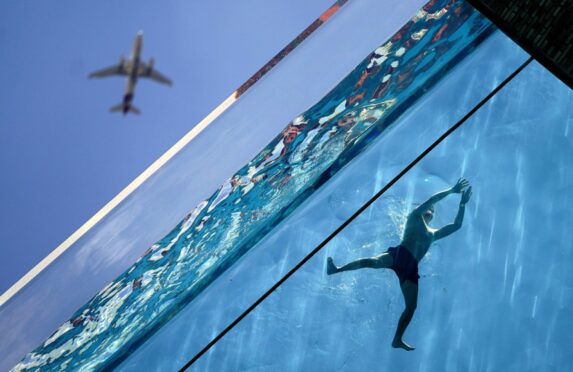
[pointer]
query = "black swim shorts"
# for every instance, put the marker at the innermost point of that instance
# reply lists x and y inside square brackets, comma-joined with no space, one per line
[405,265]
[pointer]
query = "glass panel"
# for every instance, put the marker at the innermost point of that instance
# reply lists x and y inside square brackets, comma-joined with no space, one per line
[495,295]
[238,288]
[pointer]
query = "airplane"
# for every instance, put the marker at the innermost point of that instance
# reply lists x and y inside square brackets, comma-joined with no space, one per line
[133,68]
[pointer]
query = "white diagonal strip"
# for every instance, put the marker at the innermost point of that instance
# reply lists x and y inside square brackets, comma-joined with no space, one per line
[30,275]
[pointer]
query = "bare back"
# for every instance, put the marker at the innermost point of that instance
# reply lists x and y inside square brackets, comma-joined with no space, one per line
[418,236]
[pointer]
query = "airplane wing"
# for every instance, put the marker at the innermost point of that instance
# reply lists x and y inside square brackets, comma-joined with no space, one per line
[148,71]
[118,69]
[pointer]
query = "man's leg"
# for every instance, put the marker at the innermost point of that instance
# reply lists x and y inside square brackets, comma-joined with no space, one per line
[382,261]
[410,292]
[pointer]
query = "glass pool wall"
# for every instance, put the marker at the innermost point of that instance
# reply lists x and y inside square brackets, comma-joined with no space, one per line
[240,286]
[309,151]
[495,296]
[195,173]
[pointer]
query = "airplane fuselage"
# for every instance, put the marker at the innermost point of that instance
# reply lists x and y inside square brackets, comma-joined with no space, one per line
[134,63]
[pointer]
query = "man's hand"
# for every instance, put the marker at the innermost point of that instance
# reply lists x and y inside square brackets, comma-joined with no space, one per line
[453,227]
[466,195]
[460,186]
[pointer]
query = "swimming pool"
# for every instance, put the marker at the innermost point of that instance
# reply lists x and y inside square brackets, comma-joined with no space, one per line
[331,321]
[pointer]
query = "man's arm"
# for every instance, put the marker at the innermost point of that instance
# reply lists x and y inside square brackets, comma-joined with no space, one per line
[458,187]
[430,202]
[453,227]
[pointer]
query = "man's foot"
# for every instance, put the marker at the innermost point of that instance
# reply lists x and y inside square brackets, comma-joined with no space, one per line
[399,344]
[330,268]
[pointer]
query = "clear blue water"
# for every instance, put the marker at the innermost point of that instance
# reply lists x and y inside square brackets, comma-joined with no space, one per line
[312,148]
[266,263]
[495,296]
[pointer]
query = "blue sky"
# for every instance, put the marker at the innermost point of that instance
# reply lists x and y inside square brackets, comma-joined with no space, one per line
[62,154]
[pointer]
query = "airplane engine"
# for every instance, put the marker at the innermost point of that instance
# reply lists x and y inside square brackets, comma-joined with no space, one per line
[150,65]
[122,61]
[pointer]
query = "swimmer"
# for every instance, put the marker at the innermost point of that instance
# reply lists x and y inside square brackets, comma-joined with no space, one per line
[404,259]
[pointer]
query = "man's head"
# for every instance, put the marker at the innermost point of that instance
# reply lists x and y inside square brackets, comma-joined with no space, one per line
[428,214]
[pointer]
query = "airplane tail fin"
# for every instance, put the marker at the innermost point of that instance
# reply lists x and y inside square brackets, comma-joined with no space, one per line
[125,109]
